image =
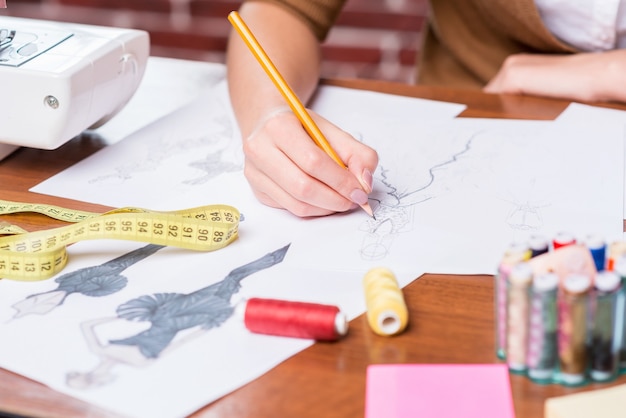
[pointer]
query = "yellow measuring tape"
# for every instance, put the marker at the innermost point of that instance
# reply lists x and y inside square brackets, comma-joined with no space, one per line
[31,256]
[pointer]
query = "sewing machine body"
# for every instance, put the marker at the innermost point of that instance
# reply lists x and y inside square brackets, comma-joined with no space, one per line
[59,79]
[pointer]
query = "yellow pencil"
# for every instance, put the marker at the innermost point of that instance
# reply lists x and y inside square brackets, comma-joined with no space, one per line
[294,103]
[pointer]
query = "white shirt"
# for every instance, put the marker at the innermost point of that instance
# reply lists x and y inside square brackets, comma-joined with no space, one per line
[589,25]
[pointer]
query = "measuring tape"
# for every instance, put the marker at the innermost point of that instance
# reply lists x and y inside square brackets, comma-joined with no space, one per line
[30,256]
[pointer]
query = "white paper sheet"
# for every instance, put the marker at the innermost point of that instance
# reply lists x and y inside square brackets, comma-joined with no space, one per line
[449,196]
[167,85]
[577,113]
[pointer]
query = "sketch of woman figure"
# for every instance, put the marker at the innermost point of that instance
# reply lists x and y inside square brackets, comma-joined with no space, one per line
[212,138]
[110,355]
[394,206]
[93,281]
[168,315]
[392,218]
[526,214]
[394,215]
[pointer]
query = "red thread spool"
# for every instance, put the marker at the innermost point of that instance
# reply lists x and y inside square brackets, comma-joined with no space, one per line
[563,239]
[294,319]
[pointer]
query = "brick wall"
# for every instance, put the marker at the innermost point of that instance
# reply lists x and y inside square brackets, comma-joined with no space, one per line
[373,38]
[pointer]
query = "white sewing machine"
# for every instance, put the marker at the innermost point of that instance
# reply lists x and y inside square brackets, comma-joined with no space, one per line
[59,79]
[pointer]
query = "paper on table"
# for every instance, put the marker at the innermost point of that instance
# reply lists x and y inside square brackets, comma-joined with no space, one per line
[82,335]
[167,85]
[577,113]
[442,185]
[339,103]
[597,403]
[438,390]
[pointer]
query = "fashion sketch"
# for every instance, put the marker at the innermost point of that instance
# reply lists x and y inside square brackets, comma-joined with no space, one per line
[206,152]
[469,164]
[394,206]
[167,315]
[94,281]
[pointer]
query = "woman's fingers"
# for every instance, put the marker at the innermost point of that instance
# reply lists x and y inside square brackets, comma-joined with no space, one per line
[287,169]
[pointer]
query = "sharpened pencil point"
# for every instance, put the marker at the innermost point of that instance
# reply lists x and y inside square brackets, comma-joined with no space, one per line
[368,209]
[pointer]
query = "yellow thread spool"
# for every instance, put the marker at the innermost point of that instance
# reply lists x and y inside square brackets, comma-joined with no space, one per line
[387,313]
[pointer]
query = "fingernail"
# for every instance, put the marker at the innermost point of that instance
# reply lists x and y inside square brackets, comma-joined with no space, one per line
[368,180]
[358,196]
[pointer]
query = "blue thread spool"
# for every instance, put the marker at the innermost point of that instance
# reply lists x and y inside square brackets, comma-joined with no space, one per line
[597,248]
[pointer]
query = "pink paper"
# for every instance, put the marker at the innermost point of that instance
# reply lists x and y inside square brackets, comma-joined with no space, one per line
[438,390]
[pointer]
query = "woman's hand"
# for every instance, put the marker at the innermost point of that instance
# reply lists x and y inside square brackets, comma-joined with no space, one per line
[286,169]
[587,77]
[283,165]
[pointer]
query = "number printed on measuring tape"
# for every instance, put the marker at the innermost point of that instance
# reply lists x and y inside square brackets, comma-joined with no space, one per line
[42,254]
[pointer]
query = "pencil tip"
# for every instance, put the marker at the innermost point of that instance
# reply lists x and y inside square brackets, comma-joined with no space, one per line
[373,216]
[368,209]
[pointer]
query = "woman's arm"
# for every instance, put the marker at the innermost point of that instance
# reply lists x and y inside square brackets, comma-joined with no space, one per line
[587,77]
[283,165]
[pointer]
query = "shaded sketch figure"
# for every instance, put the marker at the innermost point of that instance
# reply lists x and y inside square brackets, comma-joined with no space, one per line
[94,281]
[167,314]
[525,215]
[392,218]
[394,208]
[165,148]
[212,165]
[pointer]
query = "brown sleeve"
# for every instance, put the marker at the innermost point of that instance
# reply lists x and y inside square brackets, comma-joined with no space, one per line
[319,15]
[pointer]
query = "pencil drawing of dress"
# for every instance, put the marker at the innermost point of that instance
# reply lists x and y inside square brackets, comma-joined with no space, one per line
[93,281]
[170,313]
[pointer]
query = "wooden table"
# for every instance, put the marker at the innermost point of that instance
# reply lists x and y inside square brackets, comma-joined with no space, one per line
[452,317]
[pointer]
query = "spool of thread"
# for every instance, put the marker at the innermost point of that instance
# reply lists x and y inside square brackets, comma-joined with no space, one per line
[518,307]
[620,325]
[516,253]
[387,313]
[293,319]
[572,337]
[597,248]
[616,251]
[542,342]
[538,245]
[562,239]
[604,349]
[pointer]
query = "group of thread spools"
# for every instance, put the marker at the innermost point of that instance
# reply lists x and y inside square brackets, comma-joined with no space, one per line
[560,309]
[387,313]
